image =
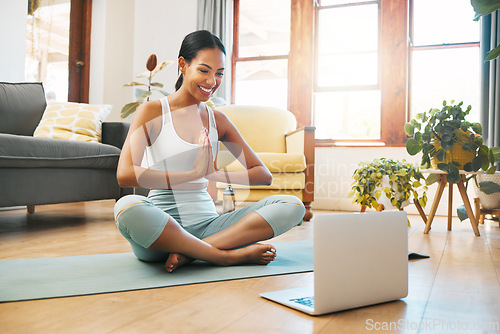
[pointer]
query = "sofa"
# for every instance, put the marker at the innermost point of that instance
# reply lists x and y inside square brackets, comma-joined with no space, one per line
[287,151]
[35,171]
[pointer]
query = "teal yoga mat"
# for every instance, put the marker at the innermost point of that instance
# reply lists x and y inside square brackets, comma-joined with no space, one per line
[29,279]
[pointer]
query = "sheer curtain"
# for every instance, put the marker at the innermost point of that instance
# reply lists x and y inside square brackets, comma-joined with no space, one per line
[490,80]
[212,16]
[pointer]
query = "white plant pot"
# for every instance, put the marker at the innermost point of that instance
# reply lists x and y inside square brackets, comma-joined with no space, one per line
[488,201]
[386,202]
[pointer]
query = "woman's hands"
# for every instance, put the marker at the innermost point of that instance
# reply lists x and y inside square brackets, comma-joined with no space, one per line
[204,164]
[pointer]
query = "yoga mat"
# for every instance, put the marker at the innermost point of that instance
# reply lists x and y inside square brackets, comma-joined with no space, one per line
[29,279]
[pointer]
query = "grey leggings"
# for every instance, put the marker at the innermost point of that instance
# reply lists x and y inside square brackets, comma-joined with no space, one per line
[141,222]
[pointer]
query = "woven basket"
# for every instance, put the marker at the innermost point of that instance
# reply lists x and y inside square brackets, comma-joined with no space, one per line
[458,153]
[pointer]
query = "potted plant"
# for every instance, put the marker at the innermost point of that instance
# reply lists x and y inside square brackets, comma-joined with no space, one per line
[487,187]
[448,141]
[143,94]
[387,182]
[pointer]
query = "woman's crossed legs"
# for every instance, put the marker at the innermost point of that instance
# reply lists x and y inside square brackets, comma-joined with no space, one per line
[153,233]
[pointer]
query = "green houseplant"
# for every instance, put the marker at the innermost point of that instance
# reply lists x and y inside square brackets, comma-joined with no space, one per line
[141,94]
[445,137]
[482,8]
[389,181]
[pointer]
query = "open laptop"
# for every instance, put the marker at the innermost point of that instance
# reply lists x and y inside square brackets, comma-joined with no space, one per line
[360,259]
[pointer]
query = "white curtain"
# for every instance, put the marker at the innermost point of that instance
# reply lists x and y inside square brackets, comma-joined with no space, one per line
[490,80]
[212,17]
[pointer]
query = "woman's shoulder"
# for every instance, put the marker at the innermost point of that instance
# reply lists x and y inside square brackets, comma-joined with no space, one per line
[220,117]
[148,111]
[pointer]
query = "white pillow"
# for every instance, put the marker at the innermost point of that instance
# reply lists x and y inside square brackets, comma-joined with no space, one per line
[73,121]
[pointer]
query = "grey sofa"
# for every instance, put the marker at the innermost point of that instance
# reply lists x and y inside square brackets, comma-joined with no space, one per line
[36,171]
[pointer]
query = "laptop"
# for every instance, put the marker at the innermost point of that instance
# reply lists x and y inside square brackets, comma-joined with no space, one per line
[360,259]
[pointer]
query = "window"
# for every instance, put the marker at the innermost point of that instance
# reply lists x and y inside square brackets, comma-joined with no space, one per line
[260,56]
[48,47]
[444,55]
[58,44]
[346,98]
[355,69]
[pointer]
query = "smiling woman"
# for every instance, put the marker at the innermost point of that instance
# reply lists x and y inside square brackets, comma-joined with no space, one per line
[171,149]
[189,49]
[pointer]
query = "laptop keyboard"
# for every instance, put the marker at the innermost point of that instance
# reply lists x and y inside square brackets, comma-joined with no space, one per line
[306,301]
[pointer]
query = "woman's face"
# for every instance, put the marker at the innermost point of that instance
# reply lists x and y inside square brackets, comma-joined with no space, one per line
[203,75]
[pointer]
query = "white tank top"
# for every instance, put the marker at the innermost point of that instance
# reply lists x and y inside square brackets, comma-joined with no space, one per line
[169,152]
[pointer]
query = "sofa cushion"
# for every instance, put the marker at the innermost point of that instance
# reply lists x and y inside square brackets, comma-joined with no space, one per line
[263,128]
[21,107]
[73,121]
[29,152]
[275,162]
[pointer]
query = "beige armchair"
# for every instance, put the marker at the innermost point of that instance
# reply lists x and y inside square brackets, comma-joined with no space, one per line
[286,151]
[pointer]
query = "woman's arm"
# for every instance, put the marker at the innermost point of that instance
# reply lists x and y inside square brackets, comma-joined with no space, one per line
[256,173]
[144,128]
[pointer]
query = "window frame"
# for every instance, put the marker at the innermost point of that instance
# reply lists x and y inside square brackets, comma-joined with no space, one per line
[317,89]
[235,58]
[393,68]
[79,51]
[412,47]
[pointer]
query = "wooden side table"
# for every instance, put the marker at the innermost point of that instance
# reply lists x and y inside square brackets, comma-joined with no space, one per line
[463,192]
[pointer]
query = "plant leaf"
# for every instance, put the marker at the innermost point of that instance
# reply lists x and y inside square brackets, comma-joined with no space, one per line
[157,84]
[432,178]
[161,66]
[477,128]
[444,167]
[462,213]
[144,95]
[493,53]
[489,187]
[409,129]
[139,92]
[413,146]
[476,163]
[163,92]
[491,170]
[453,174]
[494,154]
[134,83]
[144,74]
[129,109]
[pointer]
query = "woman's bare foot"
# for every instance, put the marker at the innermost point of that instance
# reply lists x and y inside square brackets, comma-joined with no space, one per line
[175,261]
[256,254]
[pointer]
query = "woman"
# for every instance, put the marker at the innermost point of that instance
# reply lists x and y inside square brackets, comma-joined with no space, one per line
[171,149]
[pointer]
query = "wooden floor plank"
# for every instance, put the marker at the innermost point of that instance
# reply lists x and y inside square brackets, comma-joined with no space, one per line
[459,282]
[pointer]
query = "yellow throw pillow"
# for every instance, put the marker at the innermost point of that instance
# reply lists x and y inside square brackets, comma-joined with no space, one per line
[73,121]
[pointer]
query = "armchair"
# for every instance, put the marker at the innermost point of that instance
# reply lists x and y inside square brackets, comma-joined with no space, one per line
[286,151]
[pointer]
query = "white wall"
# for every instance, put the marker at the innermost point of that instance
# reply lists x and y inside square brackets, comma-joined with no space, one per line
[333,171]
[13,15]
[167,24]
[111,53]
[124,34]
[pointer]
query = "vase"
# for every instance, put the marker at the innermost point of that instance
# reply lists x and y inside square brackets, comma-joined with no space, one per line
[492,201]
[383,198]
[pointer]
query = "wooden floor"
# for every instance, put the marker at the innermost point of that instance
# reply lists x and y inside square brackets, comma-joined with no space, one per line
[456,290]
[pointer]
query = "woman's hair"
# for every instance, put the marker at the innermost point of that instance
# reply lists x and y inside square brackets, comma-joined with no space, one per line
[194,42]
